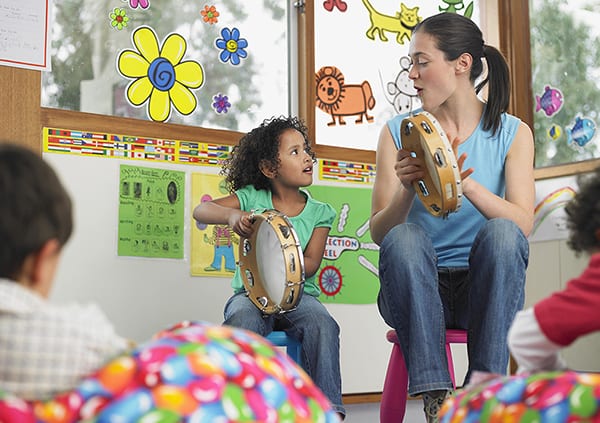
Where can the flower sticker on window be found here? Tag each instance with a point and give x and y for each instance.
(210, 14)
(118, 18)
(221, 103)
(159, 75)
(134, 4)
(232, 45)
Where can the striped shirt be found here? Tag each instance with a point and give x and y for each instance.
(46, 349)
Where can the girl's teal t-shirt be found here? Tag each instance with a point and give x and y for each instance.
(314, 215)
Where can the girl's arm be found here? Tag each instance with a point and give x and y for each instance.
(225, 210)
(313, 253)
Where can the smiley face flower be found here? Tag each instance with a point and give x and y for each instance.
(159, 74)
(232, 45)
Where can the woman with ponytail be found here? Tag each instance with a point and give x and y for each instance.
(467, 270)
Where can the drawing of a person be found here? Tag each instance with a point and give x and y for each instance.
(222, 240)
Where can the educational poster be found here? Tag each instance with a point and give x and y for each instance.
(151, 212)
(214, 248)
(549, 215)
(24, 40)
(349, 271)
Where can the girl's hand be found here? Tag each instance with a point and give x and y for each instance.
(408, 168)
(241, 223)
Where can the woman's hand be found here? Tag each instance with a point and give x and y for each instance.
(464, 174)
(408, 168)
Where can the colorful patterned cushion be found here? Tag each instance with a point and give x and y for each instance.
(549, 397)
(194, 373)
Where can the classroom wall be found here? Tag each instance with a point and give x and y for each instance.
(551, 265)
(142, 296)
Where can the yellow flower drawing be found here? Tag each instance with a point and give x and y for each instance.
(159, 75)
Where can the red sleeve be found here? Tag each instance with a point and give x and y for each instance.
(575, 311)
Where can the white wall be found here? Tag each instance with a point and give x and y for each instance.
(552, 264)
(142, 296)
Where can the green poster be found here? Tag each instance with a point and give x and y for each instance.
(348, 273)
(151, 212)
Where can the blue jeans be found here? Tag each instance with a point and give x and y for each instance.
(312, 325)
(420, 300)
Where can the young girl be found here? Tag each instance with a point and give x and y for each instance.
(539, 333)
(466, 271)
(266, 171)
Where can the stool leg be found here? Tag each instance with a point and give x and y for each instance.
(295, 352)
(450, 363)
(395, 388)
(293, 347)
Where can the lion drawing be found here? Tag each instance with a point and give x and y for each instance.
(339, 100)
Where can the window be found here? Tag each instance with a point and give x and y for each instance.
(240, 51)
(565, 57)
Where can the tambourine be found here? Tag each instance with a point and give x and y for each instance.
(440, 190)
(272, 263)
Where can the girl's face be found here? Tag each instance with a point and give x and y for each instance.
(432, 75)
(295, 164)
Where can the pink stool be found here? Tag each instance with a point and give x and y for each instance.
(395, 387)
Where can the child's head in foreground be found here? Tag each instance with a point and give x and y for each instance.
(257, 148)
(583, 215)
(35, 218)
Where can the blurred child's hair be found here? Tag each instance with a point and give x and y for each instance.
(583, 215)
(34, 207)
(260, 145)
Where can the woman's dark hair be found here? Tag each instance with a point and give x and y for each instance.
(583, 214)
(34, 207)
(259, 147)
(455, 35)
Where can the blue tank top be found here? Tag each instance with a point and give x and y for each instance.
(486, 154)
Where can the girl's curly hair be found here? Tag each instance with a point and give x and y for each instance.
(583, 214)
(260, 145)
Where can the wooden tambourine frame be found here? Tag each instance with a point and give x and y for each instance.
(274, 281)
(440, 190)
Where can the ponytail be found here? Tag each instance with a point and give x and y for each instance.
(498, 79)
